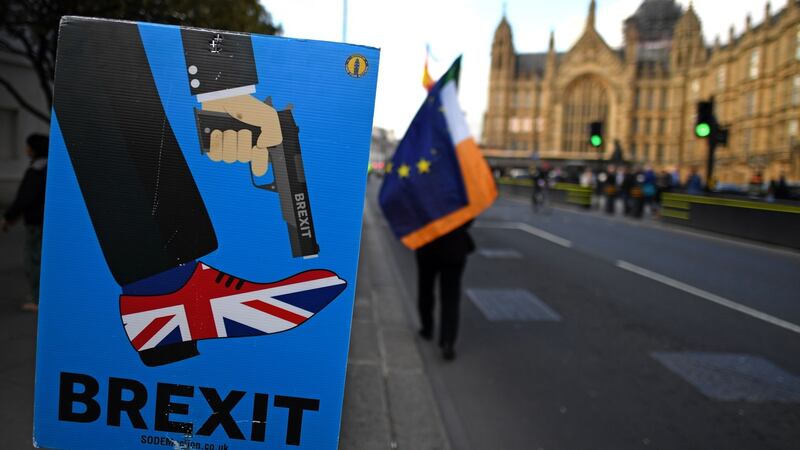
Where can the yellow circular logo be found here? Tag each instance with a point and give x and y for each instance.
(356, 65)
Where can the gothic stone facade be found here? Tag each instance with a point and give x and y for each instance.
(646, 94)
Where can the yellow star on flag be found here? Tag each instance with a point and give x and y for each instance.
(389, 167)
(423, 166)
(403, 171)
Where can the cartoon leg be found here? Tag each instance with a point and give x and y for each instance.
(145, 207)
(147, 212)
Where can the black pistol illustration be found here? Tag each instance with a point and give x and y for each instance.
(289, 182)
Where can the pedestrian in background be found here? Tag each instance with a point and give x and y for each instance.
(446, 258)
(541, 188)
(664, 184)
(599, 178)
(625, 182)
(536, 192)
(771, 187)
(636, 193)
(29, 205)
(586, 178)
(782, 189)
(694, 184)
(649, 189)
(676, 177)
(610, 189)
(756, 186)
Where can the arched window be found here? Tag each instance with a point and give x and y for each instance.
(586, 101)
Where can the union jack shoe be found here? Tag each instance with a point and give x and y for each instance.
(212, 304)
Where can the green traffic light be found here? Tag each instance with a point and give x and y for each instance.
(596, 140)
(702, 130)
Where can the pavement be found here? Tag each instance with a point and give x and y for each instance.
(389, 401)
(18, 344)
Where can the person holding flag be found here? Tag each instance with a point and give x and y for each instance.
(436, 184)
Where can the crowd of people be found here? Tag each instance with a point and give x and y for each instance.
(635, 190)
(774, 190)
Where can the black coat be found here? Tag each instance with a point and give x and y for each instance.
(452, 248)
(29, 202)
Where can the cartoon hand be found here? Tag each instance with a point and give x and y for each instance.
(232, 145)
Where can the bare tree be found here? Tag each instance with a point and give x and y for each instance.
(29, 28)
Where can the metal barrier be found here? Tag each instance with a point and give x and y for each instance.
(565, 193)
(775, 223)
(575, 194)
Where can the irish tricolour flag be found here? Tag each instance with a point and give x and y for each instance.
(437, 179)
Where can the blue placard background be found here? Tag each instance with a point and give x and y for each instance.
(79, 321)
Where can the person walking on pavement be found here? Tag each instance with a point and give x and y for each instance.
(29, 205)
(587, 180)
(624, 181)
(446, 258)
(782, 189)
(694, 184)
(636, 193)
(664, 184)
(599, 178)
(756, 187)
(649, 189)
(609, 180)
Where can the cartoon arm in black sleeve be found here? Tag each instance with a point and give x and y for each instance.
(222, 76)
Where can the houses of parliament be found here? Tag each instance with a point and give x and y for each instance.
(646, 95)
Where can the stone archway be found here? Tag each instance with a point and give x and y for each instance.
(586, 100)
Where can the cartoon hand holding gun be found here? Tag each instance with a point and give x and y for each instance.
(234, 126)
(232, 145)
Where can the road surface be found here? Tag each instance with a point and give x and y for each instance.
(581, 331)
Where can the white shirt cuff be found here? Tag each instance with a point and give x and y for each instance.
(225, 93)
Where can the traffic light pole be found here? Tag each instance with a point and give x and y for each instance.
(707, 127)
(712, 148)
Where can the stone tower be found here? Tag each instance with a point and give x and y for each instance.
(500, 80)
(688, 49)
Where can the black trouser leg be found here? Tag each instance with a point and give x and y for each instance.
(450, 285)
(145, 207)
(426, 276)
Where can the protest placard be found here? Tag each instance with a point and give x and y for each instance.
(201, 238)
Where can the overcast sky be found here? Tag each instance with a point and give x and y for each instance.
(402, 28)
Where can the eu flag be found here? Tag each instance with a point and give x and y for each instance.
(437, 179)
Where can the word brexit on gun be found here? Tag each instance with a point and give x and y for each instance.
(189, 296)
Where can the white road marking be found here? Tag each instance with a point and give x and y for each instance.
(657, 224)
(709, 296)
(538, 232)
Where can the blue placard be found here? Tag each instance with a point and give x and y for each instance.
(201, 239)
